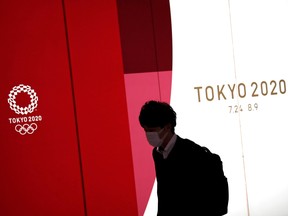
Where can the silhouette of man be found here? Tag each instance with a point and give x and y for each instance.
(184, 184)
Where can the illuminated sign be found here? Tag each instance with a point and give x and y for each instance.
(229, 89)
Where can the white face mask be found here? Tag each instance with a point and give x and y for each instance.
(154, 139)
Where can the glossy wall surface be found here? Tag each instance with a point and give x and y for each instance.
(68, 151)
(146, 39)
(74, 75)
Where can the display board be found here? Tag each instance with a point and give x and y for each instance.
(75, 75)
(40, 172)
(64, 131)
(229, 89)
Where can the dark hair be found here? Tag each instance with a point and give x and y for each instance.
(157, 114)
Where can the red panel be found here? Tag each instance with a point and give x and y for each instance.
(137, 37)
(146, 37)
(163, 34)
(101, 107)
(40, 172)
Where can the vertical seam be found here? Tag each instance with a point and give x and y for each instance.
(74, 108)
(240, 125)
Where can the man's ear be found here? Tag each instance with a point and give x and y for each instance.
(168, 126)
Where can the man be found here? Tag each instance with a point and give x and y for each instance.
(185, 183)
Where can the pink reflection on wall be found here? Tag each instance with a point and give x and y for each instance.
(141, 87)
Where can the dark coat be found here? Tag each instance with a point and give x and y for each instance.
(183, 181)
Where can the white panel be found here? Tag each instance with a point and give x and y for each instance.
(229, 89)
(151, 208)
(202, 64)
(222, 50)
(260, 34)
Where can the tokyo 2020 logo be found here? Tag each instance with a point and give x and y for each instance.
(12, 99)
(29, 125)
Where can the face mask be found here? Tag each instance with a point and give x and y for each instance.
(154, 139)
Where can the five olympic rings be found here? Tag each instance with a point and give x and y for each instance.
(26, 128)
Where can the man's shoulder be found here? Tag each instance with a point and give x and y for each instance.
(187, 143)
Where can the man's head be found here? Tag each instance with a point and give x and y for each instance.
(155, 114)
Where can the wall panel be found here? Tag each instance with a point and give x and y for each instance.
(98, 77)
(40, 172)
(146, 41)
(78, 161)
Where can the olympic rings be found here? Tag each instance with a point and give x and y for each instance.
(26, 128)
(33, 99)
